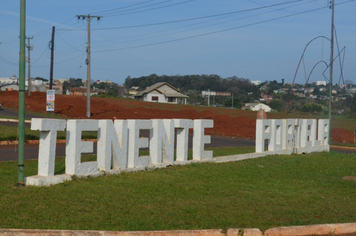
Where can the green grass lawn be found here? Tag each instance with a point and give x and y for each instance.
(260, 193)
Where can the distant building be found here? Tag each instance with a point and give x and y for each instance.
(208, 93)
(80, 92)
(256, 82)
(320, 83)
(9, 80)
(213, 93)
(61, 80)
(163, 93)
(257, 107)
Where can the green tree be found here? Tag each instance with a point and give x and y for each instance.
(237, 103)
(276, 105)
(308, 107)
(353, 106)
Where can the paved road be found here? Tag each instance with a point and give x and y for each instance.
(15, 115)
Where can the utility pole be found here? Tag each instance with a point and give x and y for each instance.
(89, 18)
(29, 47)
(332, 2)
(208, 97)
(21, 124)
(51, 46)
(232, 100)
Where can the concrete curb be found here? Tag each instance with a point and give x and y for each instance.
(347, 229)
(14, 120)
(18, 232)
(342, 147)
(310, 230)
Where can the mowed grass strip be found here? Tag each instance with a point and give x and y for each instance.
(260, 193)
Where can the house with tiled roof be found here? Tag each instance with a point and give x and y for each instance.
(163, 93)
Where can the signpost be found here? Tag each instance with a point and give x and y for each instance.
(50, 100)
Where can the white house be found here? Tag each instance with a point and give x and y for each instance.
(257, 107)
(9, 80)
(322, 82)
(256, 82)
(163, 93)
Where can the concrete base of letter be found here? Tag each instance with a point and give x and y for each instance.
(39, 180)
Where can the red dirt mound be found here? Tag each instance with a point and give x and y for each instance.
(227, 122)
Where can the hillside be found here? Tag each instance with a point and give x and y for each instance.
(227, 122)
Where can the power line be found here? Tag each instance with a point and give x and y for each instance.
(46, 48)
(136, 4)
(9, 62)
(224, 30)
(68, 43)
(195, 18)
(72, 58)
(140, 39)
(119, 8)
(150, 9)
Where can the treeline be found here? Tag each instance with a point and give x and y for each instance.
(239, 87)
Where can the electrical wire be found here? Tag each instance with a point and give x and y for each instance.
(178, 32)
(60, 62)
(46, 48)
(8, 62)
(68, 43)
(154, 4)
(218, 31)
(136, 4)
(194, 18)
(150, 9)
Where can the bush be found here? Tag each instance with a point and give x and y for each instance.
(308, 107)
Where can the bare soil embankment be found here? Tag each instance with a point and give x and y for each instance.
(227, 122)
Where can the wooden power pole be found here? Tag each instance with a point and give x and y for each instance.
(52, 57)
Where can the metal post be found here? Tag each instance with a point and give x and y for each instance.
(22, 68)
(331, 66)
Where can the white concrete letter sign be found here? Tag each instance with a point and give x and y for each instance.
(292, 136)
(135, 143)
(162, 142)
(118, 146)
(119, 143)
(183, 127)
(75, 147)
(112, 145)
(48, 138)
(199, 139)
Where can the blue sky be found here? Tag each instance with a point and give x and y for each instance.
(252, 39)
